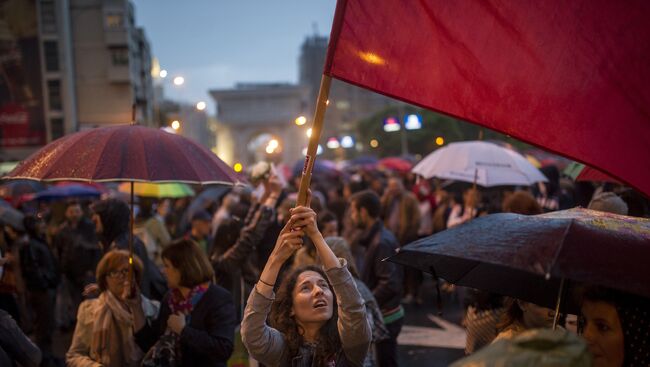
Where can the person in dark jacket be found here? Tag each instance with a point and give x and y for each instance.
(112, 219)
(15, 346)
(232, 248)
(41, 275)
(384, 278)
(196, 324)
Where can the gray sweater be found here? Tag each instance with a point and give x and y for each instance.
(268, 345)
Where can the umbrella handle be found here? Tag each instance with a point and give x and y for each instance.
(438, 295)
(560, 296)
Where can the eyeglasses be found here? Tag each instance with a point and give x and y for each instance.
(119, 273)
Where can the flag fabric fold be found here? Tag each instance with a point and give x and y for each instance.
(572, 77)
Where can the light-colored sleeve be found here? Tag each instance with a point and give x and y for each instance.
(263, 342)
(79, 353)
(353, 326)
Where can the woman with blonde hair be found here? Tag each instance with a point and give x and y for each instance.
(103, 335)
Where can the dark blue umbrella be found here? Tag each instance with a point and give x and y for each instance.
(68, 191)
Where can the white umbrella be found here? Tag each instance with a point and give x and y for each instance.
(491, 164)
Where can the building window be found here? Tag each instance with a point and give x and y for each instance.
(54, 93)
(51, 55)
(48, 17)
(57, 128)
(120, 56)
(114, 20)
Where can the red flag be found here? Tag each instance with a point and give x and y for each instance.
(571, 76)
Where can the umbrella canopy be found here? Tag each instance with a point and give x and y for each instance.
(17, 188)
(67, 191)
(489, 163)
(321, 167)
(125, 153)
(396, 164)
(527, 254)
(580, 172)
(11, 216)
(162, 190)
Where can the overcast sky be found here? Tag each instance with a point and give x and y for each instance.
(217, 43)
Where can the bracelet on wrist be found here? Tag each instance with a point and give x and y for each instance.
(267, 284)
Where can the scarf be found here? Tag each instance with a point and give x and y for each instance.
(112, 342)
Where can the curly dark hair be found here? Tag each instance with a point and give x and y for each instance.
(329, 341)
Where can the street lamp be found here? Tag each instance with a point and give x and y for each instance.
(176, 125)
(179, 80)
(301, 120)
(200, 106)
(163, 73)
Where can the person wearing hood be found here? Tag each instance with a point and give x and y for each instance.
(112, 219)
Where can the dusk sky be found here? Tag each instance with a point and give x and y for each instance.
(217, 43)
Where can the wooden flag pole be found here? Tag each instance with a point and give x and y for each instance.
(312, 148)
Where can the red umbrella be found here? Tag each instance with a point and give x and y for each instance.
(396, 164)
(125, 153)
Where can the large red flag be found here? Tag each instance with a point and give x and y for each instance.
(570, 76)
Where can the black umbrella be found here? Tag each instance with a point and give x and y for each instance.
(528, 256)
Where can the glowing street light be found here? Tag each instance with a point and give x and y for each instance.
(374, 143)
(237, 167)
(333, 143)
(163, 73)
(179, 80)
(308, 132)
(391, 124)
(200, 106)
(301, 120)
(347, 142)
(440, 140)
(176, 125)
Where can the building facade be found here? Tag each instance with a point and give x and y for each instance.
(72, 65)
(250, 116)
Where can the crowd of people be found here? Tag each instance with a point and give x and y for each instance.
(307, 284)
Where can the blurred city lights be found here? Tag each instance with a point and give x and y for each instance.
(413, 122)
(163, 73)
(347, 141)
(440, 140)
(333, 143)
(327, 103)
(374, 143)
(391, 124)
(272, 146)
(237, 167)
(200, 106)
(301, 120)
(179, 80)
(319, 151)
(176, 125)
(309, 132)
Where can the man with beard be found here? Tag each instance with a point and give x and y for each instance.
(382, 277)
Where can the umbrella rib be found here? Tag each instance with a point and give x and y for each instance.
(198, 177)
(101, 154)
(559, 248)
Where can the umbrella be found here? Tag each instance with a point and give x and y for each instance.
(321, 167)
(580, 172)
(11, 216)
(202, 201)
(527, 255)
(67, 191)
(162, 190)
(396, 164)
(486, 163)
(125, 153)
(17, 188)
